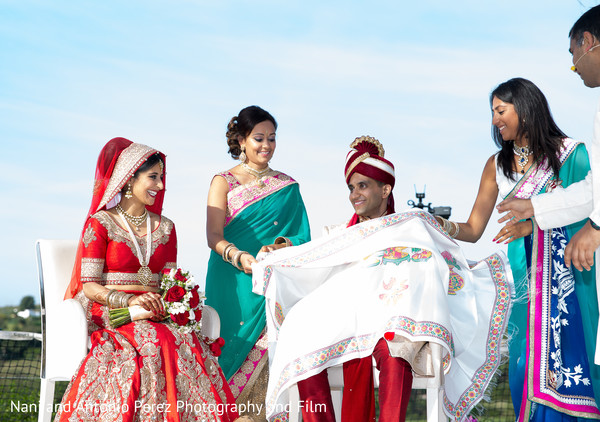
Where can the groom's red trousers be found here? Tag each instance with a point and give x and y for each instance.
(358, 402)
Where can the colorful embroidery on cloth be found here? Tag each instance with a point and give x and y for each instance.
(242, 196)
(398, 254)
(456, 282)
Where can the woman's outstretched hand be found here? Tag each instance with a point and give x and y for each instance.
(514, 231)
(516, 209)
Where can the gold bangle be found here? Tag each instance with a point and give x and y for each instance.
(283, 239)
(109, 295)
(235, 261)
(226, 250)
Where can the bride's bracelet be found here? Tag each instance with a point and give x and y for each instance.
(118, 299)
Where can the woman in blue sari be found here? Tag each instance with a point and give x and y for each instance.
(251, 208)
(552, 374)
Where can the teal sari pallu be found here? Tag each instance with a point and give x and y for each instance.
(229, 290)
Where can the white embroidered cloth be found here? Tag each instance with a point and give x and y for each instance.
(330, 300)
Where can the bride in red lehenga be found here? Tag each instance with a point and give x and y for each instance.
(144, 370)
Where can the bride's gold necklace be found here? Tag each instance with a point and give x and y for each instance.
(136, 220)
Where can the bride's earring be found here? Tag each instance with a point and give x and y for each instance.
(128, 193)
(242, 156)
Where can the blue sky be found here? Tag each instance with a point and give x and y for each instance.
(415, 75)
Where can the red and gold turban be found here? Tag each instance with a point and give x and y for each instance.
(366, 158)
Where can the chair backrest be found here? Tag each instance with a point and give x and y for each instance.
(55, 264)
(55, 260)
(211, 323)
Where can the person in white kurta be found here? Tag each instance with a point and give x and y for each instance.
(580, 200)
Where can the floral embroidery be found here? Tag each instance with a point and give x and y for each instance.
(153, 383)
(88, 236)
(243, 380)
(563, 285)
(395, 291)
(456, 282)
(398, 254)
(109, 382)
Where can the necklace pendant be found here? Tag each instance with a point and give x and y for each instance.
(523, 171)
(144, 275)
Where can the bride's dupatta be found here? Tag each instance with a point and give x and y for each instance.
(557, 370)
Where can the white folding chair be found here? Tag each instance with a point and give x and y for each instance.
(335, 374)
(64, 325)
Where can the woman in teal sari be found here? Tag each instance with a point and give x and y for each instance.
(552, 374)
(251, 208)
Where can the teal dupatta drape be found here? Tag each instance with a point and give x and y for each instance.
(260, 212)
(574, 169)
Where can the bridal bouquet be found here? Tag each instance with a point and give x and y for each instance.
(182, 300)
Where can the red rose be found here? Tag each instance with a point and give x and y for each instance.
(195, 298)
(175, 294)
(220, 341)
(182, 318)
(166, 271)
(179, 276)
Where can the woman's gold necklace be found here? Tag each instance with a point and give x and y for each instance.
(136, 220)
(256, 173)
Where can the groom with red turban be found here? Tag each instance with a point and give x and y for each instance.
(370, 179)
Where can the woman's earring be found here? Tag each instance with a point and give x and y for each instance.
(242, 156)
(128, 193)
